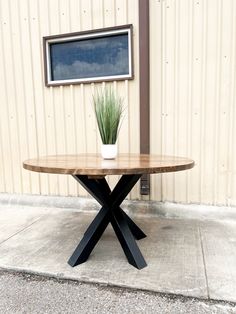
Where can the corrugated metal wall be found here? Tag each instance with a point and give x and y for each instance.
(193, 88)
(36, 120)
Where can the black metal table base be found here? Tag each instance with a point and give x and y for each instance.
(125, 229)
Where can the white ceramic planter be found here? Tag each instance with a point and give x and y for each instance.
(109, 151)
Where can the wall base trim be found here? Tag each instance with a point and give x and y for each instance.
(143, 208)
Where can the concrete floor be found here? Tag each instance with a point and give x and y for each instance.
(187, 257)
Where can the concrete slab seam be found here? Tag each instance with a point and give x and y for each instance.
(204, 261)
(18, 232)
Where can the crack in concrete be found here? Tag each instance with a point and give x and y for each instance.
(19, 231)
(204, 261)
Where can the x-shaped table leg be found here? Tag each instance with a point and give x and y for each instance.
(123, 226)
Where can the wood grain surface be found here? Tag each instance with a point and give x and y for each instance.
(95, 165)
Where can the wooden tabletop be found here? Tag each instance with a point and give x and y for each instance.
(95, 165)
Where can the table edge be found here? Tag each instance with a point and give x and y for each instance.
(107, 171)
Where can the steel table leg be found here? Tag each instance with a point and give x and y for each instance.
(122, 224)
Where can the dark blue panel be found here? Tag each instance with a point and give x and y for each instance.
(88, 58)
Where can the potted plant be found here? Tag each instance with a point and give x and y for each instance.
(108, 108)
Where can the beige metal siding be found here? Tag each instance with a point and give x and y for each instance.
(36, 120)
(192, 92)
(193, 83)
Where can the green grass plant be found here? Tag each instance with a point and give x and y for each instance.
(108, 109)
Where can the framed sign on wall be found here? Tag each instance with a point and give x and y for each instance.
(89, 56)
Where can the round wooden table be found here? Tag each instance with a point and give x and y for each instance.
(90, 171)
